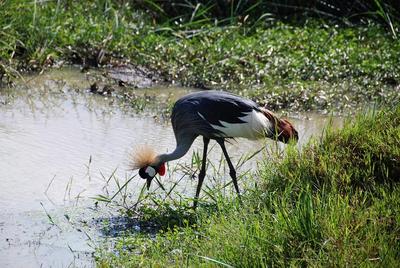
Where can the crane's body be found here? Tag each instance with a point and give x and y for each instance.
(216, 115)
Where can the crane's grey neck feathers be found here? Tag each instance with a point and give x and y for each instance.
(182, 146)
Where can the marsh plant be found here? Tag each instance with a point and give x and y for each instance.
(286, 55)
(335, 203)
(169, 202)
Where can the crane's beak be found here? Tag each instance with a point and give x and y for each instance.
(148, 183)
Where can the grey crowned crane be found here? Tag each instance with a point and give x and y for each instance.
(214, 115)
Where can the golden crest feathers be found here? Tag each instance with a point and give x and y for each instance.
(142, 156)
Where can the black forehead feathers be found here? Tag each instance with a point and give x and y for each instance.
(142, 173)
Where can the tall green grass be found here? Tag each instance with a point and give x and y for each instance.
(317, 64)
(386, 12)
(37, 33)
(334, 203)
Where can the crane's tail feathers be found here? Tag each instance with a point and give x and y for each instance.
(142, 156)
(282, 128)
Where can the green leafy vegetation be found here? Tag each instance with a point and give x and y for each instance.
(334, 203)
(314, 64)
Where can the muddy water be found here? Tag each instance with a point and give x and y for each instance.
(59, 145)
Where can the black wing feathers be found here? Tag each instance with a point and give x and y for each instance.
(195, 112)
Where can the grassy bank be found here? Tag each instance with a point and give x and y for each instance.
(313, 65)
(335, 203)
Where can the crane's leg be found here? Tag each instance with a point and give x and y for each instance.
(202, 173)
(232, 171)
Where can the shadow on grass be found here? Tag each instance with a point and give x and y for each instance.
(150, 219)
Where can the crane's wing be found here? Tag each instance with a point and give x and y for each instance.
(217, 107)
(198, 113)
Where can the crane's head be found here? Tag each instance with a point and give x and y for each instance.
(149, 172)
(145, 159)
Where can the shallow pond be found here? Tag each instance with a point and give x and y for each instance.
(58, 147)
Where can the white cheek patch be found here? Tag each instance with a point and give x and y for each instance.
(150, 171)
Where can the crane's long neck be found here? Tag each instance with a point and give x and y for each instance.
(182, 146)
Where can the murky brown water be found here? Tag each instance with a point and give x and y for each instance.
(57, 148)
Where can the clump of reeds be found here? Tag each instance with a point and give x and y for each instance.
(333, 204)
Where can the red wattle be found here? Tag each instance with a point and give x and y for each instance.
(161, 170)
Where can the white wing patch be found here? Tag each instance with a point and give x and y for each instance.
(255, 126)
